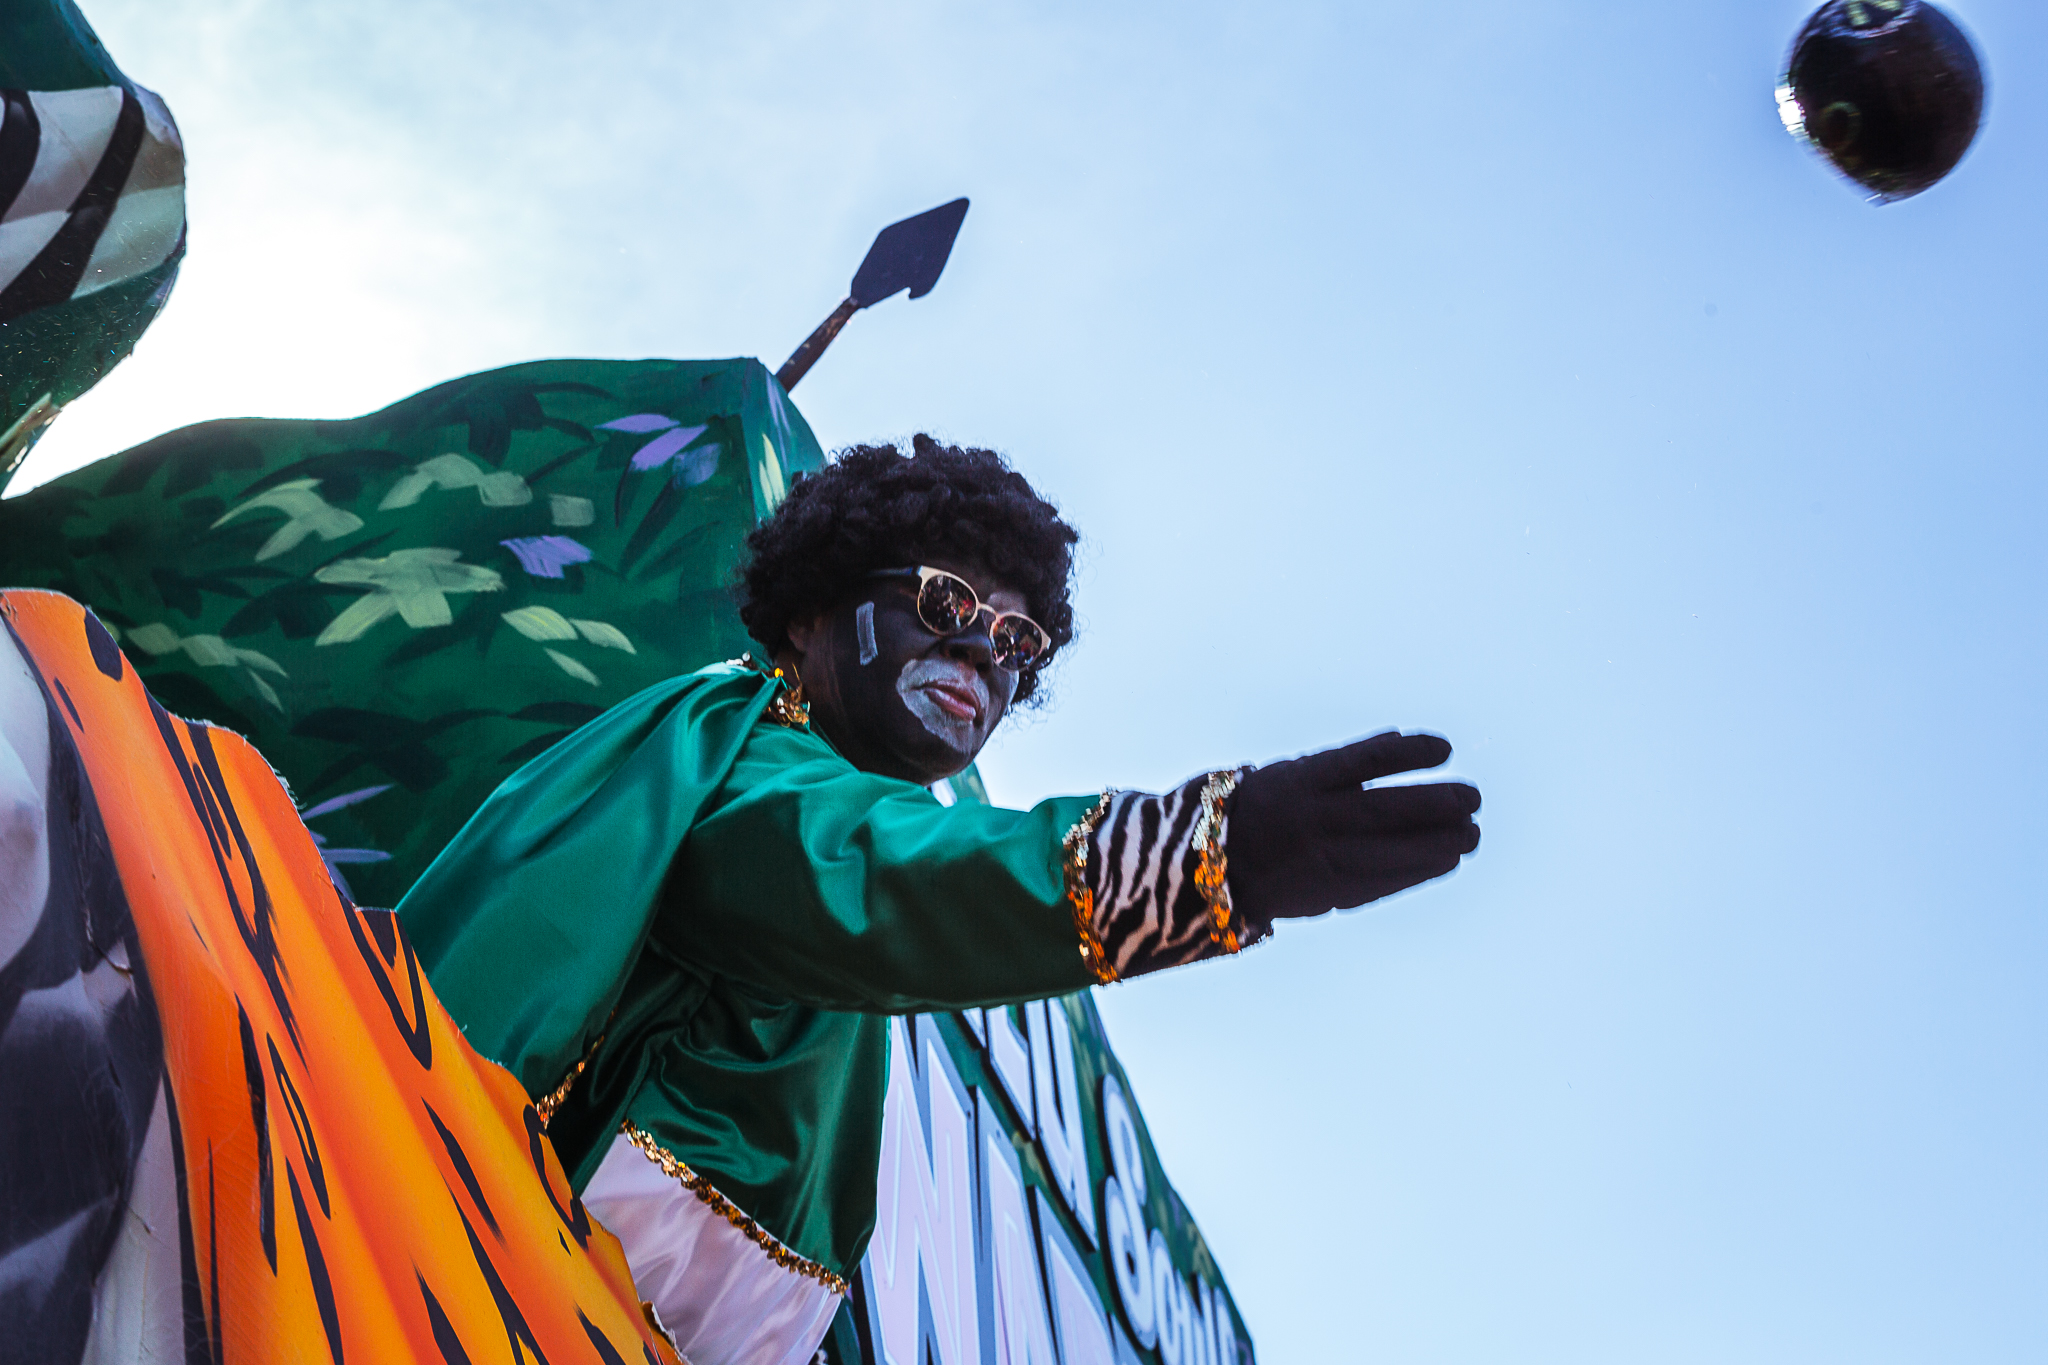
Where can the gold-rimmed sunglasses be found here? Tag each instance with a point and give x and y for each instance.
(947, 605)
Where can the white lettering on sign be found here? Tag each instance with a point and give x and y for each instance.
(1010, 1058)
(969, 1263)
(924, 1212)
(1023, 1334)
(1061, 1135)
(1081, 1325)
(1164, 1305)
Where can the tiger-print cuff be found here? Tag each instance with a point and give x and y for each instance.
(1145, 880)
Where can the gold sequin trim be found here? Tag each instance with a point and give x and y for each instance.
(787, 706)
(1211, 864)
(731, 1212)
(548, 1104)
(1081, 896)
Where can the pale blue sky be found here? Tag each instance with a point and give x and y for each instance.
(1501, 369)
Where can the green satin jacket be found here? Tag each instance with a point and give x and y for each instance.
(698, 916)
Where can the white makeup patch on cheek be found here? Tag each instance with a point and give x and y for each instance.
(864, 627)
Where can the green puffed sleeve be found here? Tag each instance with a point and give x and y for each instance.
(531, 920)
(841, 890)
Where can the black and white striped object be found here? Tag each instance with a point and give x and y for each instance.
(1149, 910)
(92, 192)
(81, 1064)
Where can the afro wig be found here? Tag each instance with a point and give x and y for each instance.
(874, 508)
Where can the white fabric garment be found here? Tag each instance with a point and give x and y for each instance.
(718, 1293)
(137, 1314)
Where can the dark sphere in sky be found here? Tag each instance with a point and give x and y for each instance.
(1890, 91)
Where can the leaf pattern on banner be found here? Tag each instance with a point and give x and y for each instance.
(350, 594)
(297, 609)
(599, 633)
(547, 556)
(493, 407)
(571, 667)
(639, 422)
(210, 651)
(566, 510)
(540, 623)
(342, 473)
(306, 513)
(342, 802)
(545, 623)
(448, 472)
(668, 502)
(337, 858)
(664, 449)
(414, 584)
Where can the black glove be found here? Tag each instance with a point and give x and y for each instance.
(1304, 838)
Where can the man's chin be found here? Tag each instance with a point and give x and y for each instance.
(934, 761)
(953, 767)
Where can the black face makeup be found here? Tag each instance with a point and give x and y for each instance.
(894, 697)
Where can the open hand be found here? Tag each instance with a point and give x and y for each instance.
(1305, 837)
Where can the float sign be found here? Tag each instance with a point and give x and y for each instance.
(1023, 1218)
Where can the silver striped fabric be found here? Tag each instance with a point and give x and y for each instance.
(92, 192)
(1141, 866)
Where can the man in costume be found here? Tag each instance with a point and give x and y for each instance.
(685, 926)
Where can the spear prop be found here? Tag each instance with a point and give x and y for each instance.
(906, 255)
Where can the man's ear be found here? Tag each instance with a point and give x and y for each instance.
(804, 631)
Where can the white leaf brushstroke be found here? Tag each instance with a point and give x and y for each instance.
(306, 513)
(414, 584)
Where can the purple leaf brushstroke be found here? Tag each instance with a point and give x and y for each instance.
(663, 448)
(639, 421)
(546, 556)
(333, 804)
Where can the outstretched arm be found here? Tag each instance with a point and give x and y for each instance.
(813, 880)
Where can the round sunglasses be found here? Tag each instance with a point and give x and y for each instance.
(947, 605)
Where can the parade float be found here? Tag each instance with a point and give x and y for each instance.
(254, 676)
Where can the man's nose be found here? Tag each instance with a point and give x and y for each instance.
(971, 646)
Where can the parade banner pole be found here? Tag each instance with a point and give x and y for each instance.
(909, 255)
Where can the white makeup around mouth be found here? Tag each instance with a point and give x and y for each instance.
(915, 685)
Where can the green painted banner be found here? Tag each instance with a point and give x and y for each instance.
(400, 609)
